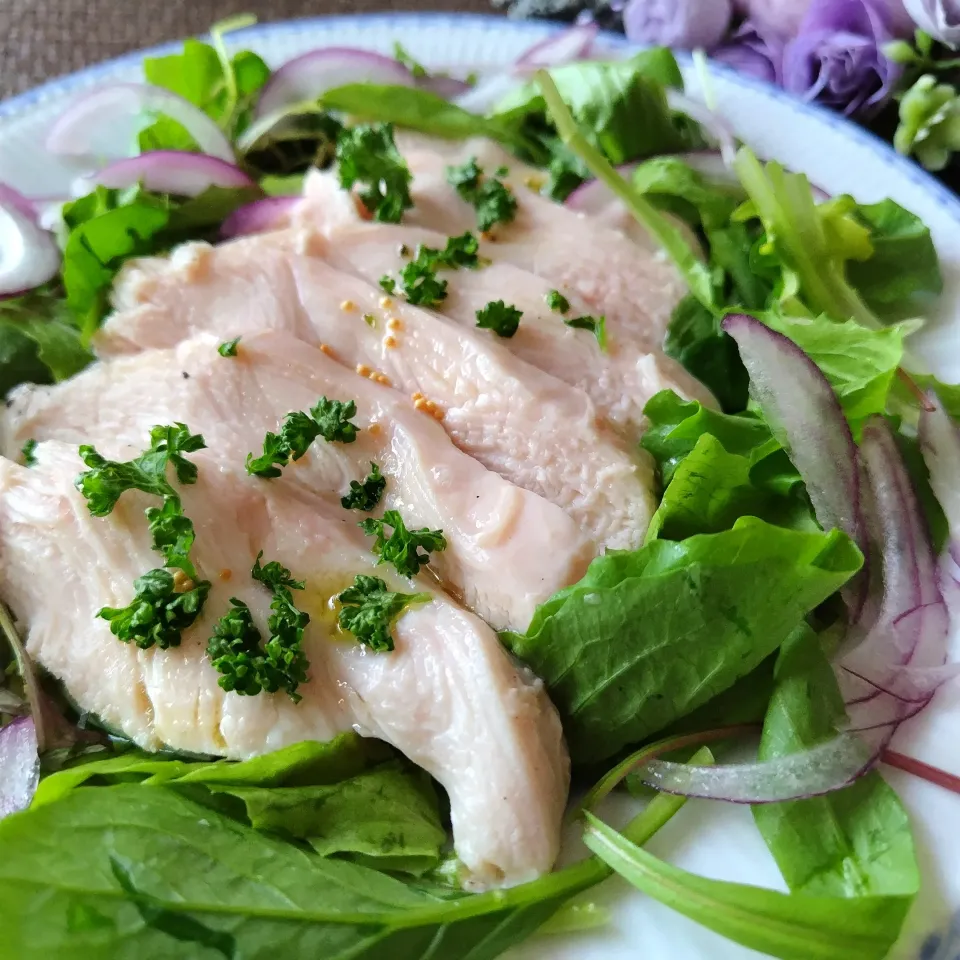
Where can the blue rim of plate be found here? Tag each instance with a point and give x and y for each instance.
(903, 166)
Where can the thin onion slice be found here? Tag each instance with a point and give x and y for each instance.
(29, 256)
(487, 93)
(814, 772)
(940, 445)
(261, 216)
(713, 123)
(176, 172)
(444, 86)
(103, 124)
(565, 46)
(311, 74)
(14, 198)
(806, 417)
(19, 765)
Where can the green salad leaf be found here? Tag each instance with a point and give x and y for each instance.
(791, 927)
(860, 364)
(711, 489)
(676, 426)
(903, 271)
(347, 797)
(225, 91)
(853, 843)
(648, 636)
(696, 340)
(675, 186)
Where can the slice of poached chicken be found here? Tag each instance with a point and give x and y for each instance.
(629, 281)
(531, 428)
(508, 550)
(619, 378)
(448, 696)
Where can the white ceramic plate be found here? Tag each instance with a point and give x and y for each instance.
(716, 840)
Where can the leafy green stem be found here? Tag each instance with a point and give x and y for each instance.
(217, 32)
(30, 685)
(694, 271)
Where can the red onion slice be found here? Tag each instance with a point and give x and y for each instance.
(261, 216)
(13, 198)
(940, 445)
(176, 172)
(443, 86)
(819, 770)
(487, 93)
(104, 123)
(19, 766)
(29, 256)
(310, 75)
(565, 46)
(807, 419)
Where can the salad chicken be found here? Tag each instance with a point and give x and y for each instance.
(396, 464)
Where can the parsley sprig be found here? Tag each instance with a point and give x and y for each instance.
(158, 613)
(402, 547)
(365, 495)
(163, 605)
(369, 609)
(28, 453)
(247, 665)
(596, 325)
(489, 196)
(418, 280)
(329, 419)
(367, 157)
(497, 316)
(229, 347)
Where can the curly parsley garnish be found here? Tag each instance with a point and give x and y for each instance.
(247, 665)
(596, 325)
(368, 157)
(158, 613)
(503, 320)
(329, 419)
(418, 281)
(229, 349)
(557, 302)
(365, 495)
(491, 199)
(28, 453)
(164, 605)
(369, 610)
(402, 547)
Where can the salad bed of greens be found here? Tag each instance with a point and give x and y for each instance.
(731, 620)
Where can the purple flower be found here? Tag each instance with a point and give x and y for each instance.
(750, 52)
(836, 57)
(783, 17)
(939, 18)
(683, 24)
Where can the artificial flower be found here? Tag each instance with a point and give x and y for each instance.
(939, 18)
(836, 56)
(752, 52)
(682, 24)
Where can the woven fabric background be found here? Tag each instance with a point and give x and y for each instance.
(40, 39)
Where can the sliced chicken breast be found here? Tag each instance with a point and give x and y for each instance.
(508, 550)
(531, 428)
(632, 283)
(619, 380)
(448, 696)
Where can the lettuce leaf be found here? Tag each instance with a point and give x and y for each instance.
(859, 363)
(903, 271)
(852, 843)
(226, 92)
(675, 186)
(711, 489)
(648, 636)
(349, 796)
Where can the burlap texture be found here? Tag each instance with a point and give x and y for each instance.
(40, 39)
